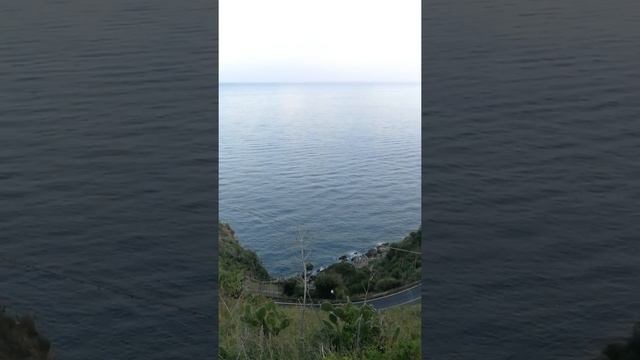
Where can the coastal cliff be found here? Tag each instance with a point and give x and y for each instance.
(235, 258)
(393, 266)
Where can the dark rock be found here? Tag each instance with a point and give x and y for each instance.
(624, 351)
(635, 338)
(615, 351)
(20, 340)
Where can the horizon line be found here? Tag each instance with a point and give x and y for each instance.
(317, 82)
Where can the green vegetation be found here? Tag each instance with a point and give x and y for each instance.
(233, 257)
(264, 315)
(20, 340)
(254, 327)
(338, 332)
(401, 265)
(351, 327)
(293, 287)
(397, 268)
(236, 262)
(330, 284)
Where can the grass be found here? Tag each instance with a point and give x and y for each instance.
(306, 339)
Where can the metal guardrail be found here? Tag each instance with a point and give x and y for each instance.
(369, 300)
(274, 292)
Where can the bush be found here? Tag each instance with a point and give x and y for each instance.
(387, 283)
(264, 315)
(354, 279)
(293, 287)
(230, 282)
(401, 265)
(325, 283)
(345, 269)
(357, 287)
(351, 327)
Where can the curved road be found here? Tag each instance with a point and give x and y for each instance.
(403, 297)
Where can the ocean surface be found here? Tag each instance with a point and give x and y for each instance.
(531, 177)
(339, 163)
(107, 174)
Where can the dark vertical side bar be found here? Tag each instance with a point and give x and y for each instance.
(215, 183)
(425, 246)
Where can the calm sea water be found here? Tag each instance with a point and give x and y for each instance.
(107, 160)
(341, 161)
(531, 177)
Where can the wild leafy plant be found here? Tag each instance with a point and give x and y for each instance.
(263, 314)
(231, 282)
(350, 327)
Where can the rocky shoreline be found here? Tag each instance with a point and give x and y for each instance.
(356, 258)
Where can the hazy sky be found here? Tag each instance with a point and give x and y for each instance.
(328, 40)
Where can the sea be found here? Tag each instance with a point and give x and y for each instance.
(107, 175)
(530, 160)
(531, 177)
(317, 170)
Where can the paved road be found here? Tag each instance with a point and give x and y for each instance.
(407, 296)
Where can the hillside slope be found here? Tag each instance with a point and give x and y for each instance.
(235, 258)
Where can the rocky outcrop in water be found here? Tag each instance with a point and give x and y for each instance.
(20, 340)
(629, 350)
